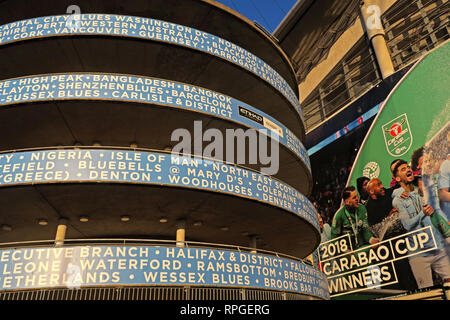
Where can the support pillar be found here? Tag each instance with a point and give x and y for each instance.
(61, 232)
(310, 258)
(371, 15)
(252, 245)
(181, 232)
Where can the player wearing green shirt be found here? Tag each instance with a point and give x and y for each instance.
(352, 219)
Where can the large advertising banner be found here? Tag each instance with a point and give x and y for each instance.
(142, 167)
(79, 266)
(350, 270)
(405, 162)
(148, 29)
(138, 89)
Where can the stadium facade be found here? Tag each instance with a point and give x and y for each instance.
(349, 57)
(93, 203)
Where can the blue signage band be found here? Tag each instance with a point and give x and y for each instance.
(149, 29)
(118, 87)
(154, 168)
(81, 266)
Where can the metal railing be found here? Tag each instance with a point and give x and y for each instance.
(412, 27)
(354, 74)
(151, 293)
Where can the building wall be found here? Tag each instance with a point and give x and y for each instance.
(133, 89)
(350, 69)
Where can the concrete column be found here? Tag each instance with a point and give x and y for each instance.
(252, 244)
(61, 232)
(181, 232)
(310, 258)
(371, 15)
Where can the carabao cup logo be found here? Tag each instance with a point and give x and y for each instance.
(397, 136)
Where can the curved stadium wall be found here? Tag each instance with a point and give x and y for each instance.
(88, 106)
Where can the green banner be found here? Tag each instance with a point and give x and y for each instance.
(403, 226)
(416, 112)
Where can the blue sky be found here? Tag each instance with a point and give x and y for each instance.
(267, 13)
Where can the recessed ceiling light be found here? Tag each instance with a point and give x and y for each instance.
(163, 219)
(125, 218)
(6, 227)
(43, 222)
(224, 228)
(84, 218)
